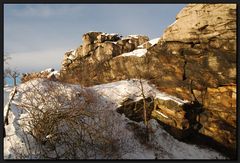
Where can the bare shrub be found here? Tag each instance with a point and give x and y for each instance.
(65, 124)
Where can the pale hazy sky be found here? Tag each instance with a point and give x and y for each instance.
(36, 36)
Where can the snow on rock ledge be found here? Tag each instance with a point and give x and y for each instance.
(148, 44)
(136, 53)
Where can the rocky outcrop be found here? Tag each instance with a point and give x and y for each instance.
(99, 47)
(47, 74)
(86, 64)
(194, 60)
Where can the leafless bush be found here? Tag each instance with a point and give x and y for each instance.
(64, 123)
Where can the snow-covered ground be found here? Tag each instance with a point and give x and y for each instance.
(107, 97)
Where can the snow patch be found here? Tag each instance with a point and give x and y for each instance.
(72, 55)
(134, 36)
(116, 92)
(49, 70)
(164, 96)
(8, 88)
(131, 36)
(154, 41)
(55, 73)
(136, 53)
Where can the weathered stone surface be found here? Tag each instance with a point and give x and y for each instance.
(181, 118)
(219, 118)
(88, 38)
(202, 23)
(217, 128)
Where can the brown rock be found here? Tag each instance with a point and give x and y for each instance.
(171, 113)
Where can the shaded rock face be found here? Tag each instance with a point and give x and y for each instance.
(134, 109)
(219, 118)
(194, 60)
(182, 119)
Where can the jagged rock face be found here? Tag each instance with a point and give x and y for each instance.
(205, 35)
(214, 24)
(97, 48)
(195, 58)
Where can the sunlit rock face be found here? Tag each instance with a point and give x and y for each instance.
(194, 60)
(89, 63)
(205, 35)
(205, 23)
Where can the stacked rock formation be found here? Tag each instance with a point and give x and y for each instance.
(89, 61)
